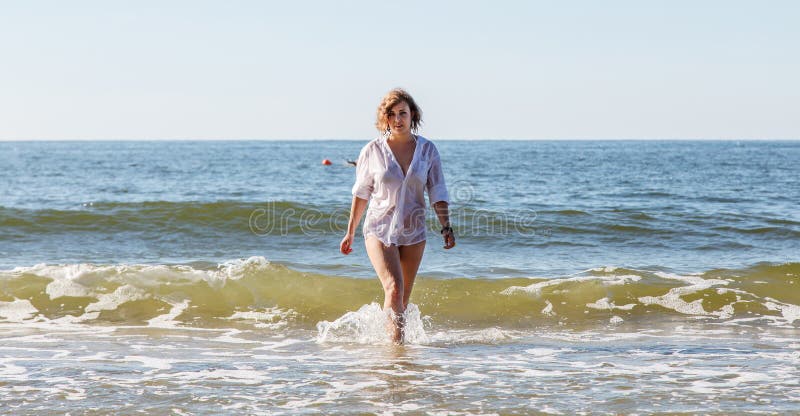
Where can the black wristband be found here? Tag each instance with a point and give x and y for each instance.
(446, 228)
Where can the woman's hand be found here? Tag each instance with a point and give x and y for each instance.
(449, 238)
(344, 246)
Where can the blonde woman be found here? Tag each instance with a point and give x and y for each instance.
(392, 173)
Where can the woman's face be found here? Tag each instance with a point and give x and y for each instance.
(399, 118)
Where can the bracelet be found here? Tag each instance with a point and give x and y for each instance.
(446, 228)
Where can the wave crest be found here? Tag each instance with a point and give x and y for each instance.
(258, 293)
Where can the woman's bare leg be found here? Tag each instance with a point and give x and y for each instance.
(410, 258)
(386, 261)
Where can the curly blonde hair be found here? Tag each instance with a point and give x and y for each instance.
(393, 97)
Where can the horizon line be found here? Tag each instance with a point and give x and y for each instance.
(747, 139)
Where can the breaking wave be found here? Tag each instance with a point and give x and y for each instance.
(257, 293)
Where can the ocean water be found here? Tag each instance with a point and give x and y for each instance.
(596, 277)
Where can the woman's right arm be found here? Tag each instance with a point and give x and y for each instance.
(356, 211)
(362, 190)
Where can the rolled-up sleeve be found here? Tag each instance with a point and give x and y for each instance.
(364, 180)
(437, 190)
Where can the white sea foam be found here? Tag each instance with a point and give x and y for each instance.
(280, 344)
(111, 301)
(230, 337)
(98, 356)
(672, 299)
(66, 287)
(598, 336)
(8, 370)
(369, 325)
(550, 411)
(83, 273)
(344, 387)
(83, 279)
(151, 362)
(482, 336)
(605, 269)
(471, 374)
(236, 269)
(167, 320)
(789, 312)
(271, 318)
(548, 310)
(536, 288)
(542, 354)
(615, 320)
(534, 373)
(239, 375)
(18, 310)
(604, 304)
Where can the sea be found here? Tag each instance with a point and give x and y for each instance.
(589, 277)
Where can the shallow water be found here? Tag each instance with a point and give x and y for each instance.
(688, 368)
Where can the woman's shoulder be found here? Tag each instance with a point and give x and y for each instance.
(371, 146)
(427, 146)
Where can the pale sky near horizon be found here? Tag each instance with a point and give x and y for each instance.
(480, 70)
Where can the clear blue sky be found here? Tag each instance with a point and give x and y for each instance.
(480, 70)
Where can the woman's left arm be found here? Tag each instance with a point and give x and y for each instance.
(442, 209)
(437, 192)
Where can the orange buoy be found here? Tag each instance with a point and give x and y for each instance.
(326, 162)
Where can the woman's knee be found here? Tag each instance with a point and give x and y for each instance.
(393, 287)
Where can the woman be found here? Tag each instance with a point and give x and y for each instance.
(393, 171)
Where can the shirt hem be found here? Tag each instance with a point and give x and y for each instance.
(385, 243)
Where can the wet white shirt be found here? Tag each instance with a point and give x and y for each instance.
(396, 212)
